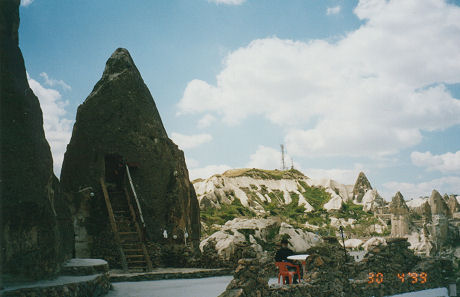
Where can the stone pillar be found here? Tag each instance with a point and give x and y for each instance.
(399, 216)
(439, 219)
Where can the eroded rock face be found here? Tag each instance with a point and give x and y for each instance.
(362, 185)
(36, 232)
(372, 200)
(119, 120)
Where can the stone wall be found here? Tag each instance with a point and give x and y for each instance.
(328, 274)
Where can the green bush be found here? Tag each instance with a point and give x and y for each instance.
(318, 217)
(226, 213)
(316, 196)
(351, 211)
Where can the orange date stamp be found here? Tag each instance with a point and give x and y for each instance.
(410, 277)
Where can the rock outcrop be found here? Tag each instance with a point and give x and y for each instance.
(426, 212)
(439, 219)
(362, 185)
(437, 204)
(399, 216)
(36, 232)
(118, 124)
(372, 201)
(453, 205)
(259, 235)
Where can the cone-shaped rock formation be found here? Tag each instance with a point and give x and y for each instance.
(362, 185)
(117, 125)
(398, 205)
(36, 230)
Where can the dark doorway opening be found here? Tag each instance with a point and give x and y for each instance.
(114, 169)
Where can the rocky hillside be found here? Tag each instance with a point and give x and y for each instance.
(257, 188)
(255, 207)
(289, 195)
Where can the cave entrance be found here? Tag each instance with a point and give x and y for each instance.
(114, 169)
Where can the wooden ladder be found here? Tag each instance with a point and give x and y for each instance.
(128, 235)
(140, 236)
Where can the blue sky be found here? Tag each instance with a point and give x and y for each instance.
(347, 86)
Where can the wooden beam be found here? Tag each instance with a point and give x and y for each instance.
(114, 225)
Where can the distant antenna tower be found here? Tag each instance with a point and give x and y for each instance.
(292, 164)
(283, 164)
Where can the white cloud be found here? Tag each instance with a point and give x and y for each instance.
(206, 121)
(333, 10)
(228, 2)
(208, 171)
(26, 2)
(190, 141)
(370, 93)
(447, 184)
(345, 176)
(269, 158)
(54, 82)
(58, 129)
(448, 162)
(191, 162)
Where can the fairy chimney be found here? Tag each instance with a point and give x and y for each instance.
(119, 126)
(399, 216)
(439, 218)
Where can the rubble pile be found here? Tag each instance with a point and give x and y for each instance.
(327, 263)
(249, 280)
(394, 257)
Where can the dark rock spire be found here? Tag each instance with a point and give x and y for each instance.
(119, 118)
(36, 231)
